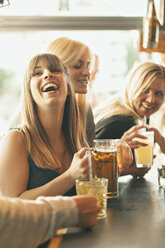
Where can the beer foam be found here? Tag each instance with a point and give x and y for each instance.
(106, 150)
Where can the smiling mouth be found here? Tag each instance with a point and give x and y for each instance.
(148, 107)
(82, 82)
(50, 87)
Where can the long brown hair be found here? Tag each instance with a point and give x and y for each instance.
(37, 141)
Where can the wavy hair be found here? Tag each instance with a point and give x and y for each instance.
(36, 139)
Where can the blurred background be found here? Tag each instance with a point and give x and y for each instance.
(112, 29)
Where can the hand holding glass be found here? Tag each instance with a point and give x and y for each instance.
(144, 154)
(97, 188)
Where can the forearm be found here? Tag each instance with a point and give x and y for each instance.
(161, 143)
(58, 186)
(29, 223)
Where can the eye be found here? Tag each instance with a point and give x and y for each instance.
(78, 65)
(36, 73)
(159, 93)
(146, 91)
(56, 70)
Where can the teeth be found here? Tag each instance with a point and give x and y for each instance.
(147, 107)
(55, 86)
(82, 82)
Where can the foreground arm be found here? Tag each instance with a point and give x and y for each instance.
(27, 223)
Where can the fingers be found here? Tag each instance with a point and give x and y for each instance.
(133, 131)
(125, 156)
(134, 171)
(133, 138)
(80, 154)
(87, 208)
(81, 160)
(136, 128)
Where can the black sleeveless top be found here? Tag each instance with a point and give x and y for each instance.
(40, 176)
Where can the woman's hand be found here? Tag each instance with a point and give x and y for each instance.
(124, 155)
(79, 167)
(132, 136)
(134, 171)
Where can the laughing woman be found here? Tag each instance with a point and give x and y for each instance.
(47, 154)
(38, 159)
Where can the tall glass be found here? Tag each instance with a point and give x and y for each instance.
(105, 164)
(144, 154)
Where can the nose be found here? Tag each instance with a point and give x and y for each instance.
(151, 97)
(48, 74)
(86, 71)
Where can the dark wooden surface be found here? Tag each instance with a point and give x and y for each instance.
(135, 220)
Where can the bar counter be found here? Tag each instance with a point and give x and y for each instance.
(134, 220)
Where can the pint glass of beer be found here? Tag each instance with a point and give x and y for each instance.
(105, 164)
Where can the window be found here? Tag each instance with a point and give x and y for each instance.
(110, 29)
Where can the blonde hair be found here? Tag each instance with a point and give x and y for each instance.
(37, 141)
(69, 51)
(138, 80)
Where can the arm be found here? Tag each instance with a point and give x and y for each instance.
(30, 223)
(14, 171)
(159, 139)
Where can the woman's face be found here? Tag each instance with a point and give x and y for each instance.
(150, 100)
(48, 85)
(80, 73)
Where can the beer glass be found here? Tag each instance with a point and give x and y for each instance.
(105, 164)
(97, 188)
(144, 154)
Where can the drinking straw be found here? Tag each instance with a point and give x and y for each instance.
(88, 153)
(145, 122)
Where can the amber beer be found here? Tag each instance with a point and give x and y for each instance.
(105, 166)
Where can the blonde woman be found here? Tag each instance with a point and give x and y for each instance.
(77, 57)
(143, 95)
(47, 153)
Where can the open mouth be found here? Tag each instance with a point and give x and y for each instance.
(50, 87)
(84, 83)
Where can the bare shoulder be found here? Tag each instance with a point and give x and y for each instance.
(15, 135)
(13, 140)
(14, 167)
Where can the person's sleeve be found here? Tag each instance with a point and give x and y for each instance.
(64, 212)
(109, 130)
(114, 127)
(27, 223)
